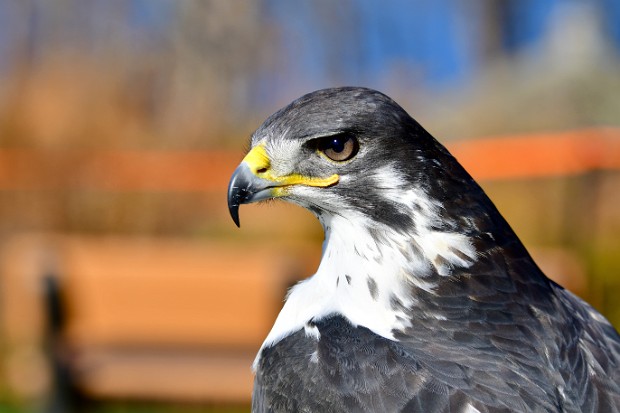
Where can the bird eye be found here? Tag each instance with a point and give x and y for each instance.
(339, 148)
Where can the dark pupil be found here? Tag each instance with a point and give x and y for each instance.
(337, 144)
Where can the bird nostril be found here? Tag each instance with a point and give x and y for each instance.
(261, 170)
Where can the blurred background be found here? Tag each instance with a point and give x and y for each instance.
(125, 286)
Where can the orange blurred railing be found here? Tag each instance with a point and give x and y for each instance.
(507, 157)
(540, 155)
(119, 170)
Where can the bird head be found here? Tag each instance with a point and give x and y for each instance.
(342, 151)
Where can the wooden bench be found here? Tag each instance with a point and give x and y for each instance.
(147, 318)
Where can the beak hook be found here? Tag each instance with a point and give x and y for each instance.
(235, 195)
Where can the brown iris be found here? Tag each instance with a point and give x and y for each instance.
(339, 148)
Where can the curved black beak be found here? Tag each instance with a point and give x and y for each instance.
(244, 188)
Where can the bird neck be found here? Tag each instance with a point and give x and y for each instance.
(366, 274)
(382, 277)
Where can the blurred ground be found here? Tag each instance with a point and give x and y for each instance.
(123, 121)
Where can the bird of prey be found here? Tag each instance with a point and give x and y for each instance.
(425, 300)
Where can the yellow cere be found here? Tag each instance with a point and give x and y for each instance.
(260, 165)
(257, 159)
